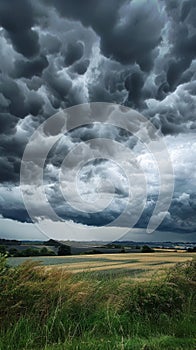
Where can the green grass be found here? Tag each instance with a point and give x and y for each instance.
(96, 310)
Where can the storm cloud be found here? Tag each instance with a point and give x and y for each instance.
(140, 54)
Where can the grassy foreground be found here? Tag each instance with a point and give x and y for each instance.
(55, 309)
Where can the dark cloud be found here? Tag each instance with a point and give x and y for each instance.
(29, 69)
(134, 84)
(99, 14)
(16, 214)
(16, 99)
(10, 168)
(74, 53)
(50, 43)
(181, 217)
(8, 123)
(182, 40)
(127, 30)
(81, 67)
(20, 102)
(16, 17)
(55, 54)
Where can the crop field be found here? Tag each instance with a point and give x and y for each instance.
(124, 301)
(136, 265)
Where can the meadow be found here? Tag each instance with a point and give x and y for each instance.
(99, 302)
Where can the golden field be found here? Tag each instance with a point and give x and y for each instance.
(139, 265)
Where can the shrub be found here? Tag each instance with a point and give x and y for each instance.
(64, 250)
(147, 249)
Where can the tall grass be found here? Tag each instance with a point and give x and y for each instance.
(54, 309)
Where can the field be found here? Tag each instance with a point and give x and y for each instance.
(136, 265)
(99, 302)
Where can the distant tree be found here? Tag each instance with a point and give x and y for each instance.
(29, 252)
(52, 242)
(93, 251)
(9, 242)
(191, 250)
(147, 249)
(113, 246)
(64, 250)
(46, 252)
(122, 250)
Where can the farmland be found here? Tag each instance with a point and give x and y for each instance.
(101, 302)
(137, 265)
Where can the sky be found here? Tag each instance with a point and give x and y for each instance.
(140, 54)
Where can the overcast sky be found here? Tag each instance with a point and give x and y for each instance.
(136, 53)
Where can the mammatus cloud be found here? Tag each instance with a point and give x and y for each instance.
(74, 175)
(17, 19)
(141, 54)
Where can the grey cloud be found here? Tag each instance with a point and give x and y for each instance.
(182, 38)
(74, 53)
(8, 123)
(20, 102)
(17, 19)
(29, 69)
(12, 92)
(135, 35)
(176, 112)
(10, 168)
(134, 84)
(50, 43)
(126, 29)
(55, 54)
(81, 67)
